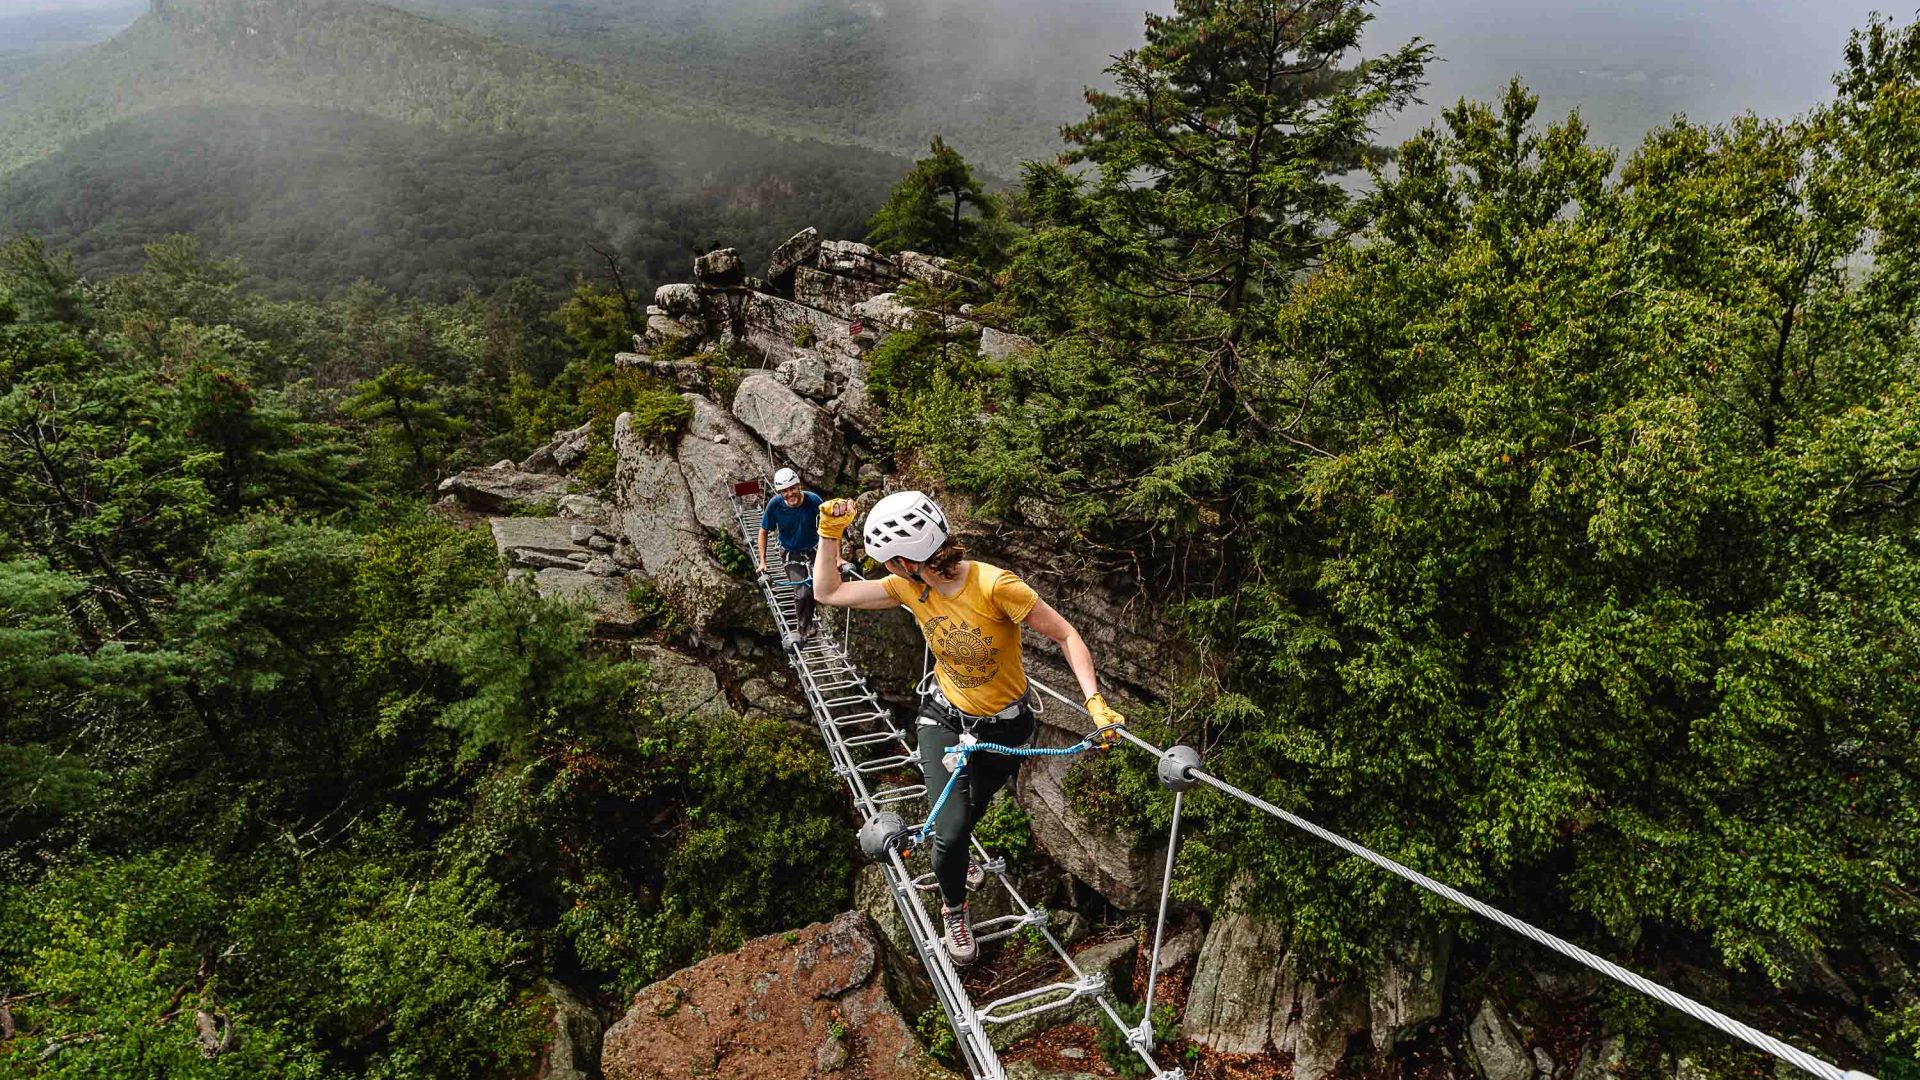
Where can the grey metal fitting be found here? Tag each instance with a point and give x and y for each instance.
(876, 836)
(1176, 768)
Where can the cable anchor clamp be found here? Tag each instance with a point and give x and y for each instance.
(1177, 766)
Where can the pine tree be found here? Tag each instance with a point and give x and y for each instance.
(940, 208)
(400, 400)
(1218, 162)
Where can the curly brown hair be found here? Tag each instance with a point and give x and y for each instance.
(946, 559)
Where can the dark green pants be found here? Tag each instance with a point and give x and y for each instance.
(984, 776)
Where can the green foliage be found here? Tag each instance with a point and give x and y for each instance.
(936, 1034)
(804, 336)
(519, 656)
(1557, 536)
(400, 403)
(938, 208)
(1113, 1044)
(731, 558)
(1006, 831)
(658, 415)
(286, 751)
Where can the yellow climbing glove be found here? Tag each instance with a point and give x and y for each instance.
(835, 516)
(1105, 717)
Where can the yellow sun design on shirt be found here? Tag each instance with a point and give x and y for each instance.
(967, 654)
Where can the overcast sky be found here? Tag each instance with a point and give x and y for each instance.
(1629, 64)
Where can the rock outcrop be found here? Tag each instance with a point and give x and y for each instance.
(655, 512)
(1409, 991)
(1247, 998)
(817, 1002)
(804, 433)
(502, 488)
(562, 453)
(1116, 862)
(573, 1042)
(1499, 1053)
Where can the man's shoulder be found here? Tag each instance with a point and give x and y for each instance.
(813, 500)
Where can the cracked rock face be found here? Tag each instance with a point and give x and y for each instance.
(658, 519)
(810, 1003)
(799, 430)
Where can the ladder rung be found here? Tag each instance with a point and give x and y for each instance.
(899, 794)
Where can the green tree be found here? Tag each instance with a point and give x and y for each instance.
(402, 403)
(939, 208)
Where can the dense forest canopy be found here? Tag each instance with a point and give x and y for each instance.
(336, 141)
(1545, 517)
(280, 747)
(1558, 533)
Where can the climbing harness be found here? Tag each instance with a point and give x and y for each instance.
(956, 763)
(853, 722)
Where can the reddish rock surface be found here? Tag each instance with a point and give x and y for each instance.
(813, 1003)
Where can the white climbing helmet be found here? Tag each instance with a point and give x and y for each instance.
(785, 479)
(907, 525)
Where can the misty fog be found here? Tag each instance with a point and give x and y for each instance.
(1004, 74)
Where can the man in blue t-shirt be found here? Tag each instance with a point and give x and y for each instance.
(794, 514)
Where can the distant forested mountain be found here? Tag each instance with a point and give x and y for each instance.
(997, 78)
(332, 140)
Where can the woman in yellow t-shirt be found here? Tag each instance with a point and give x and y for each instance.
(971, 613)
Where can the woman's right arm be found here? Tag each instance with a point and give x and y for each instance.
(828, 587)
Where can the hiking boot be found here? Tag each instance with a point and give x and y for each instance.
(976, 876)
(959, 936)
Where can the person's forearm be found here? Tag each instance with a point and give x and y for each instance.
(763, 549)
(1080, 660)
(826, 570)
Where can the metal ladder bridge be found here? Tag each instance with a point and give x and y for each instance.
(878, 762)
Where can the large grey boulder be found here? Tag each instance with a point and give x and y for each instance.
(873, 897)
(998, 344)
(837, 294)
(562, 452)
(686, 686)
(799, 248)
(573, 1040)
(806, 373)
(855, 407)
(552, 536)
(583, 507)
(797, 429)
(886, 311)
(853, 259)
(716, 452)
(603, 596)
(719, 267)
(679, 299)
(932, 270)
(502, 488)
(1329, 1016)
(1407, 993)
(1117, 863)
(1243, 990)
(664, 328)
(1498, 1051)
(776, 326)
(655, 513)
